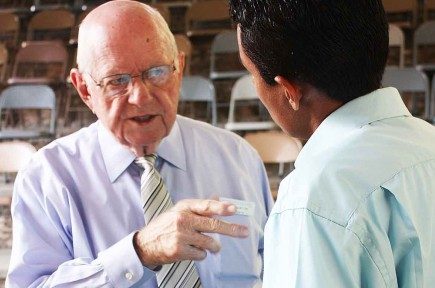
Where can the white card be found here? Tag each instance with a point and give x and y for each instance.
(242, 207)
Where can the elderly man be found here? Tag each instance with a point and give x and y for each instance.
(359, 208)
(92, 210)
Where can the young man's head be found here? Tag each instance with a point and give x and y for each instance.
(340, 47)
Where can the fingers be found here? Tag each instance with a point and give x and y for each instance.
(212, 225)
(206, 207)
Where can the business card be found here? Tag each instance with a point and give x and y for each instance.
(245, 208)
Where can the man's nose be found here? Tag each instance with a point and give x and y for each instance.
(140, 92)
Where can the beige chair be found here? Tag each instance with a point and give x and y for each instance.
(402, 12)
(14, 156)
(184, 45)
(275, 147)
(9, 29)
(3, 62)
(51, 25)
(397, 41)
(40, 62)
(244, 91)
(207, 18)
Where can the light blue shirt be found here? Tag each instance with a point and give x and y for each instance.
(77, 205)
(359, 208)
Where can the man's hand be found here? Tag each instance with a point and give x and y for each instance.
(177, 234)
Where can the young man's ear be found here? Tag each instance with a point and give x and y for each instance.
(292, 92)
(79, 83)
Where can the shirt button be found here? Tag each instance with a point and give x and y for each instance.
(128, 276)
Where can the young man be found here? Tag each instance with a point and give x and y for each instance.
(358, 210)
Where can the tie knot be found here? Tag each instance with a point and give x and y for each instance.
(147, 160)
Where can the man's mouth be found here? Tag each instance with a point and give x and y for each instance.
(144, 118)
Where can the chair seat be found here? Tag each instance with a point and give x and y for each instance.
(215, 75)
(21, 134)
(249, 126)
(38, 80)
(5, 258)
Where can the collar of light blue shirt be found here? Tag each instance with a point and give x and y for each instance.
(117, 157)
(378, 105)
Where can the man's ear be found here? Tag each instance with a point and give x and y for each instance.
(181, 62)
(292, 91)
(79, 83)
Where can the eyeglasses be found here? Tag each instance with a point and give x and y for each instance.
(121, 84)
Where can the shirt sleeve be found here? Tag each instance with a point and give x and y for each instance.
(306, 250)
(43, 250)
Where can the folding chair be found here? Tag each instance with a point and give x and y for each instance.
(275, 147)
(15, 6)
(409, 80)
(403, 13)
(224, 57)
(40, 62)
(56, 4)
(198, 89)
(15, 155)
(51, 25)
(243, 91)
(424, 44)
(205, 18)
(3, 62)
(23, 97)
(9, 30)
(429, 10)
(184, 45)
(397, 41)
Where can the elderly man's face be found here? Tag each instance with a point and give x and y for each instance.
(139, 113)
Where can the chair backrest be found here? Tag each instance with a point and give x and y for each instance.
(3, 62)
(408, 80)
(207, 18)
(429, 10)
(403, 13)
(424, 37)
(51, 25)
(274, 146)
(15, 155)
(184, 45)
(224, 57)
(56, 4)
(9, 29)
(30, 97)
(40, 62)
(397, 40)
(199, 89)
(244, 90)
(164, 11)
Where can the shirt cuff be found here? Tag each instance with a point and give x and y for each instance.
(122, 264)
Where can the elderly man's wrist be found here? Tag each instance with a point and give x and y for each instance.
(142, 255)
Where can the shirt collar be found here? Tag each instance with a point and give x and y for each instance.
(117, 157)
(380, 104)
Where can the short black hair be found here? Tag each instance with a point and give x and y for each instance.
(338, 46)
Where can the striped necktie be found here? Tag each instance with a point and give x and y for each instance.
(156, 200)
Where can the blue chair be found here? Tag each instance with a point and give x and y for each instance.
(23, 97)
